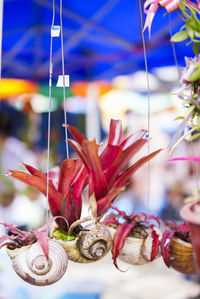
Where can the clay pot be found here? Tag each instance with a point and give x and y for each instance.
(191, 213)
(181, 256)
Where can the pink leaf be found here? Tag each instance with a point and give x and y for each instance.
(197, 159)
(155, 244)
(121, 234)
(165, 246)
(42, 238)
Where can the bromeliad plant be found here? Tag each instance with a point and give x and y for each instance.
(65, 200)
(136, 237)
(176, 248)
(108, 172)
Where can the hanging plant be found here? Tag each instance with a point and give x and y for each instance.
(189, 13)
(176, 248)
(65, 199)
(35, 258)
(135, 237)
(108, 172)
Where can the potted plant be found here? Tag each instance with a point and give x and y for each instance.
(176, 248)
(136, 237)
(35, 258)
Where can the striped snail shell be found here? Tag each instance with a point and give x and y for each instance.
(181, 257)
(137, 250)
(30, 263)
(91, 244)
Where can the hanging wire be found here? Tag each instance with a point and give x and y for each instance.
(1, 34)
(63, 74)
(195, 166)
(49, 113)
(148, 97)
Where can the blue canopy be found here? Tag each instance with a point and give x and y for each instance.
(102, 39)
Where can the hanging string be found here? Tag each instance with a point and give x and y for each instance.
(195, 166)
(63, 74)
(148, 97)
(1, 34)
(49, 113)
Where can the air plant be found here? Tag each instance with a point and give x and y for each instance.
(190, 12)
(108, 173)
(33, 255)
(189, 77)
(136, 237)
(176, 248)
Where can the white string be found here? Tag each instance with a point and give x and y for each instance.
(63, 74)
(195, 166)
(49, 114)
(148, 97)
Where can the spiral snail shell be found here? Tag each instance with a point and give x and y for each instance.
(90, 245)
(30, 263)
(181, 257)
(137, 250)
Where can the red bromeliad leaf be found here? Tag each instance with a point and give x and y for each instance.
(115, 133)
(165, 246)
(155, 244)
(109, 154)
(67, 170)
(133, 138)
(124, 177)
(35, 172)
(121, 161)
(72, 202)
(98, 178)
(121, 234)
(79, 150)
(55, 198)
(76, 134)
(104, 203)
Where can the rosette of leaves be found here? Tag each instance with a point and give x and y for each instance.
(141, 233)
(108, 171)
(176, 248)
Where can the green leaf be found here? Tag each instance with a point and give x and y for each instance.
(195, 76)
(179, 36)
(196, 48)
(179, 117)
(197, 135)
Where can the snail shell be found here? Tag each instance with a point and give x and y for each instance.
(181, 256)
(91, 244)
(30, 263)
(136, 251)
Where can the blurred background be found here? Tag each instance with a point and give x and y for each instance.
(104, 57)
